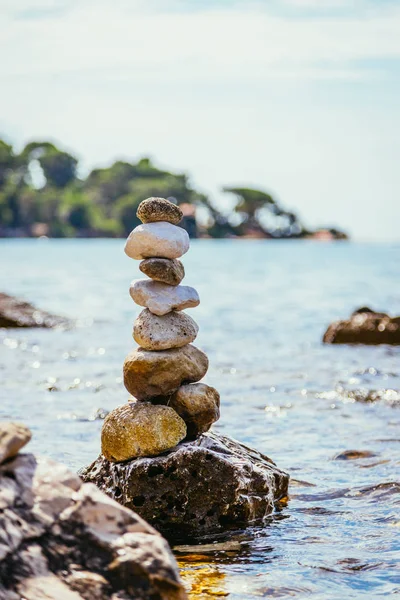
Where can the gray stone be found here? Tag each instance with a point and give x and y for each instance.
(202, 487)
(157, 239)
(161, 298)
(173, 330)
(15, 312)
(61, 539)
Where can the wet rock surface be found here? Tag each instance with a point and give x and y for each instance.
(140, 429)
(365, 326)
(15, 312)
(148, 374)
(197, 404)
(173, 330)
(166, 270)
(64, 540)
(199, 487)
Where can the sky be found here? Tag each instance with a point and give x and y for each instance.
(300, 98)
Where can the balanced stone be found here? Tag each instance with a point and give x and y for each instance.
(167, 270)
(157, 239)
(173, 330)
(197, 404)
(159, 209)
(140, 429)
(161, 298)
(148, 374)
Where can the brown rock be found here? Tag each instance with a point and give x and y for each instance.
(13, 437)
(148, 374)
(159, 209)
(140, 429)
(364, 327)
(173, 330)
(166, 270)
(198, 488)
(197, 404)
(48, 521)
(15, 312)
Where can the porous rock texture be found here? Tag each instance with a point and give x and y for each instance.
(200, 487)
(158, 209)
(166, 270)
(140, 429)
(197, 404)
(173, 330)
(161, 298)
(15, 312)
(157, 239)
(365, 326)
(148, 374)
(61, 539)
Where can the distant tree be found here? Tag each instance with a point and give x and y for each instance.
(7, 161)
(59, 168)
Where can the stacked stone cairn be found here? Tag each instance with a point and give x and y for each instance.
(168, 404)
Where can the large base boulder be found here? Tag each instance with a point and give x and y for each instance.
(200, 487)
(365, 326)
(61, 539)
(15, 312)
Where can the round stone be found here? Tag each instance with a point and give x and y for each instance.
(161, 298)
(159, 209)
(166, 270)
(173, 330)
(149, 374)
(197, 404)
(162, 240)
(140, 429)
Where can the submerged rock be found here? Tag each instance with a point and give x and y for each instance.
(159, 209)
(157, 239)
(166, 270)
(199, 487)
(15, 312)
(173, 330)
(61, 539)
(140, 429)
(148, 374)
(161, 298)
(197, 404)
(365, 326)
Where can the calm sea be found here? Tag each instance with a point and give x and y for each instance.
(264, 308)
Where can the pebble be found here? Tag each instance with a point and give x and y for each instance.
(13, 437)
(161, 298)
(198, 405)
(167, 270)
(159, 209)
(149, 374)
(140, 429)
(173, 330)
(162, 240)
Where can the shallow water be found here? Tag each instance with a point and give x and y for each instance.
(265, 306)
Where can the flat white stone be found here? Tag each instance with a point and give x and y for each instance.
(159, 239)
(161, 298)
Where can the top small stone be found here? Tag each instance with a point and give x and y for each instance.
(159, 209)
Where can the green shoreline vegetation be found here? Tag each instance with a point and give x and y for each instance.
(41, 194)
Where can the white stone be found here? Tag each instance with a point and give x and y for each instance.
(161, 298)
(160, 239)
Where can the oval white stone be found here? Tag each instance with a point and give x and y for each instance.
(161, 298)
(159, 239)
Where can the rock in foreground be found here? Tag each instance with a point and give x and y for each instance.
(365, 326)
(15, 312)
(199, 487)
(64, 540)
